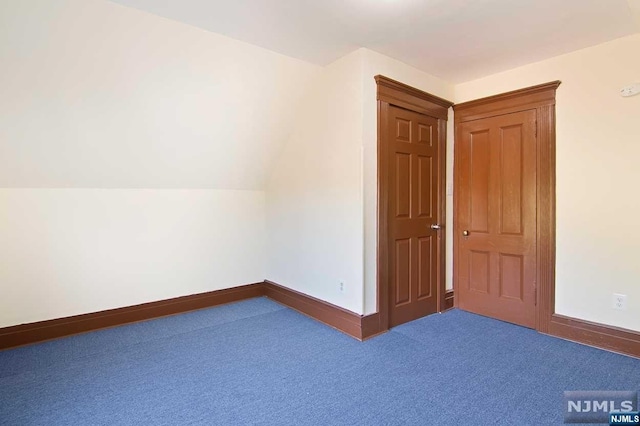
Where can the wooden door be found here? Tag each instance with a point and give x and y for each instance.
(414, 203)
(495, 216)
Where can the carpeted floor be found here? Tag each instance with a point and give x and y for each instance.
(256, 362)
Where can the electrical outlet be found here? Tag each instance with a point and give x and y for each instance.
(631, 90)
(341, 286)
(619, 302)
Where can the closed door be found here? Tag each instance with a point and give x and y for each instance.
(495, 216)
(414, 176)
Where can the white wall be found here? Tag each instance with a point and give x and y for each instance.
(72, 251)
(374, 64)
(314, 195)
(97, 95)
(597, 175)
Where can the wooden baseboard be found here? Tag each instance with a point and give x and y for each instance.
(371, 326)
(25, 334)
(607, 337)
(448, 300)
(358, 326)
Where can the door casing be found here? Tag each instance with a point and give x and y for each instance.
(391, 92)
(541, 98)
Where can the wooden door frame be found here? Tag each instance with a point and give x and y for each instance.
(542, 99)
(391, 92)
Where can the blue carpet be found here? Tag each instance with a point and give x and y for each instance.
(256, 362)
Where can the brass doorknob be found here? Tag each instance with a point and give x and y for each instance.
(465, 233)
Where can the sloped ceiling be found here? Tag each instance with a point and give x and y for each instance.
(102, 96)
(456, 40)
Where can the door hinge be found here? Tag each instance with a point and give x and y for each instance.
(535, 293)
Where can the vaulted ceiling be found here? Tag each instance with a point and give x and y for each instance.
(457, 40)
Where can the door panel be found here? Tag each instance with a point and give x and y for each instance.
(425, 262)
(413, 208)
(403, 185)
(496, 207)
(478, 200)
(425, 186)
(403, 271)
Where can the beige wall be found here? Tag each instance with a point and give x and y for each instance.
(251, 146)
(374, 64)
(322, 196)
(598, 144)
(72, 251)
(314, 195)
(161, 135)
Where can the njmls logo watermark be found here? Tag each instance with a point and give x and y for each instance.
(596, 406)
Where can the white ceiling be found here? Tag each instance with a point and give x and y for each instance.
(457, 40)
